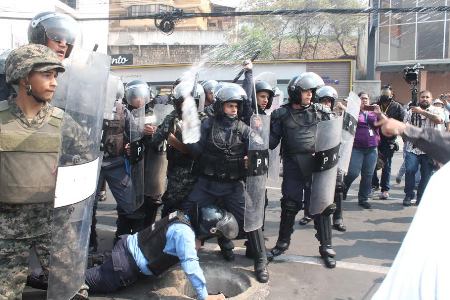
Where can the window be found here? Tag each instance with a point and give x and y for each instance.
(430, 40)
(402, 42)
(143, 10)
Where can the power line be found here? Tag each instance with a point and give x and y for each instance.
(179, 14)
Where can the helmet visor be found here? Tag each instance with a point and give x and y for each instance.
(61, 28)
(228, 226)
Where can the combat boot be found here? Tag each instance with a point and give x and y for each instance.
(226, 248)
(256, 243)
(284, 235)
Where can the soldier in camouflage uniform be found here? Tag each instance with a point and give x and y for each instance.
(30, 140)
(180, 175)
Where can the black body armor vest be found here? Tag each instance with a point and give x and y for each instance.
(152, 241)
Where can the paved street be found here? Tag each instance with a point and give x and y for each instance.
(364, 252)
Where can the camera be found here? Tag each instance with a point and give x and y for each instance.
(411, 74)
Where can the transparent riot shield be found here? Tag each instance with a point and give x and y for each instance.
(135, 161)
(155, 159)
(269, 77)
(111, 96)
(77, 172)
(159, 113)
(258, 162)
(348, 131)
(59, 98)
(328, 139)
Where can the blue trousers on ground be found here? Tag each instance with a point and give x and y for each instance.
(118, 271)
(387, 153)
(412, 163)
(363, 161)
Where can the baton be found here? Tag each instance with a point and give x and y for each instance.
(243, 70)
(95, 48)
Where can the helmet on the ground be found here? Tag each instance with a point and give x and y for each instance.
(209, 86)
(327, 92)
(229, 93)
(209, 221)
(53, 26)
(137, 89)
(263, 86)
(32, 57)
(306, 81)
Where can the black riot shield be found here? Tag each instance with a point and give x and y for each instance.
(77, 172)
(258, 163)
(348, 131)
(328, 139)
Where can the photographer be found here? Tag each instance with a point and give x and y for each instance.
(423, 116)
(387, 145)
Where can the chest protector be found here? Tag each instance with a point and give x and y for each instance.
(113, 134)
(28, 158)
(223, 157)
(152, 241)
(299, 130)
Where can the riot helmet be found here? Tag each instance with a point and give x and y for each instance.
(327, 93)
(186, 89)
(209, 221)
(221, 85)
(263, 86)
(137, 93)
(21, 61)
(209, 87)
(303, 82)
(54, 26)
(386, 93)
(230, 93)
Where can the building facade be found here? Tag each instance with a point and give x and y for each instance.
(405, 39)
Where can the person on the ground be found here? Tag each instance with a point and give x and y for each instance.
(152, 251)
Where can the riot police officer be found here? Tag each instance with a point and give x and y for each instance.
(54, 30)
(295, 126)
(221, 162)
(180, 177)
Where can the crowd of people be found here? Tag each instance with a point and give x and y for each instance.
(198, 157)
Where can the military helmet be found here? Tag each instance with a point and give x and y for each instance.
(327, 92)
(209, 86)
(305, 81)
(53, 26)
(137, 89)
(263, 86)
(209, 221)
(3, 56)
(32, 57)
(229, 93)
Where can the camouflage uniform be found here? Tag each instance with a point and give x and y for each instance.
(28, 220)
(180, 175)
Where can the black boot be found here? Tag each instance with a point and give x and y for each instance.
(338, 221)
(288, 212)
(256, 243)
(322, 223)
(226, 248)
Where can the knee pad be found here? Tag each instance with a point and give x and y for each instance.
(290, 205)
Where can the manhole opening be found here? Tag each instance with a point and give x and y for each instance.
(231, 284)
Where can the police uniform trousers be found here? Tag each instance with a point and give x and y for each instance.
(295, 186)
(116, 272)
(228, 194)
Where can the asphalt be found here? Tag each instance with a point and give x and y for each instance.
(364, 252)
